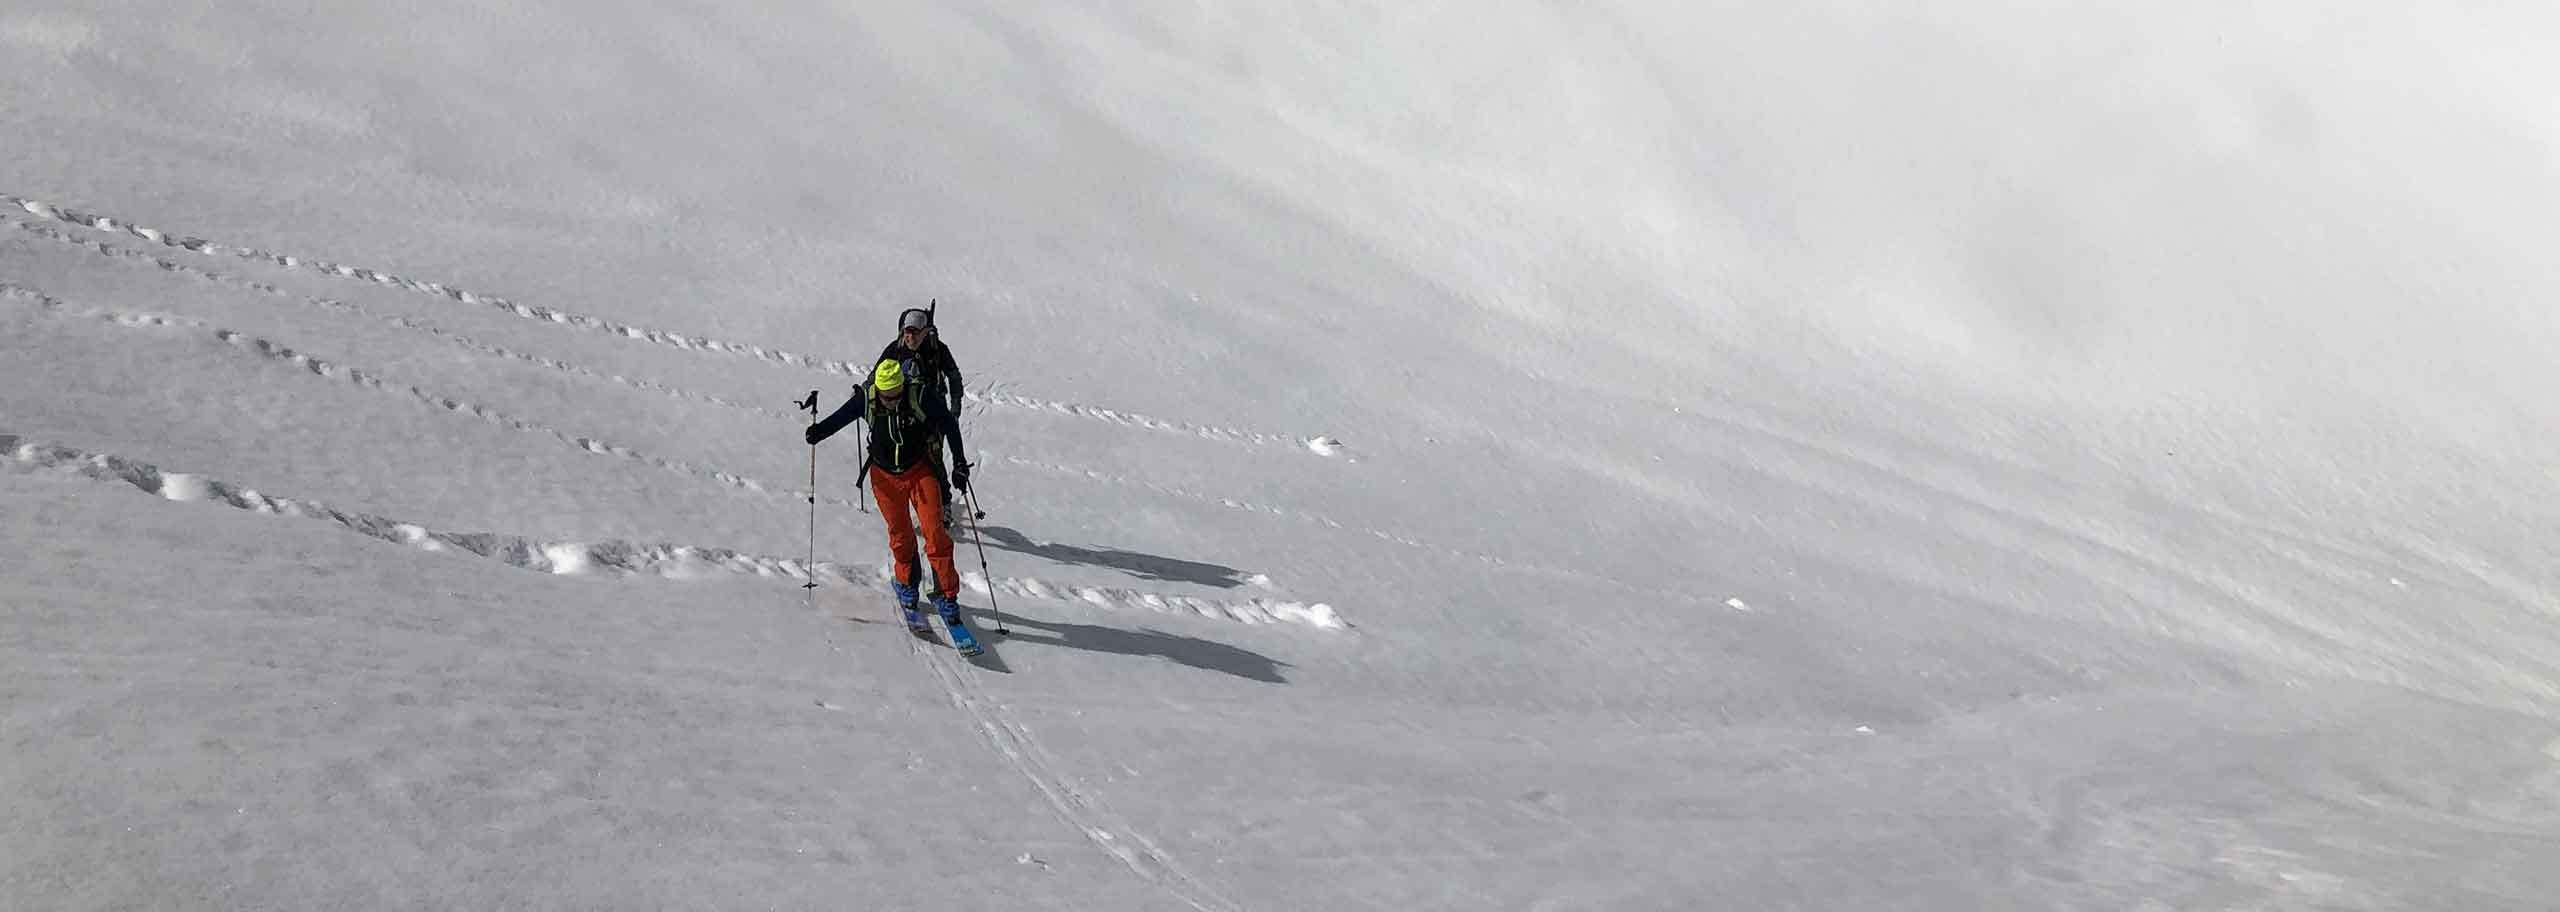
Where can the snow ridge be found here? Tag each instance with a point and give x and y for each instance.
(676, 340)
(1248, 611)
(670, 561)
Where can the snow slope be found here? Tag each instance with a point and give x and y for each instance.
(1437, 456)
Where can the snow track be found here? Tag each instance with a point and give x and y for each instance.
(1107, 831)
(675, 340)
(675, 561)
(407, 323)
(320, 367)
(617, 557)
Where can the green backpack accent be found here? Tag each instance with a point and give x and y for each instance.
(897, 440)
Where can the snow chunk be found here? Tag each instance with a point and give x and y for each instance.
(181, 486)
(1736, 604)
(687, 563)
(1318, 615)
(568, 557)
(1322, 445)
(417, 536)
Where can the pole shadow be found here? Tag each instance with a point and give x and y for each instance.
(1207, 655)
(1142, 566)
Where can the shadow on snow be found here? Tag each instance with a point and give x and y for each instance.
(1198, 653)
(1143, 566)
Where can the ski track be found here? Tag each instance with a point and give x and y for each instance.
(680, 341)
(623, 558)
(458, 339)
(467, 342)
(319, 367)
(1080, 811)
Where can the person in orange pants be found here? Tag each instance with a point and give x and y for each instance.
(903, 432)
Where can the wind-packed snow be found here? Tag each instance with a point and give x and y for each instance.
(1435, 456)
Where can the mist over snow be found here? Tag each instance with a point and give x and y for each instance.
(1450, 456)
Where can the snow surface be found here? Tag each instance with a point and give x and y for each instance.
(1446, 456)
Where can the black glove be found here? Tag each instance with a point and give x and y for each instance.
(960, 477)
(812, 435)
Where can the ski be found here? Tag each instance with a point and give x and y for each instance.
(961, 638)
(965, 642)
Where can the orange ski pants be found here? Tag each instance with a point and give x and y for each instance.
(895, 492)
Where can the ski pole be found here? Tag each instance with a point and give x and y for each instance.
(811, 404)
(970, 493)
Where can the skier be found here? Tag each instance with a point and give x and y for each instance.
(919, 351)
(905, 428)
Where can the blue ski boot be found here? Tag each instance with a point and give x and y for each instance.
(961, 638)
(907, 605)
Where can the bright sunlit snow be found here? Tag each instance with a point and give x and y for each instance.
(1470, 456)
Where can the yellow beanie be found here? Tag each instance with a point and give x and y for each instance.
(888, 377)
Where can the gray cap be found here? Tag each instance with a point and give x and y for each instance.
(913, 319)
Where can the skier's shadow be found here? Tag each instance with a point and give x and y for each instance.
(1143, 566)
(1191, 651)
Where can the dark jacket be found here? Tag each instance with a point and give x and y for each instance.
(929, 367)
(901, 436)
